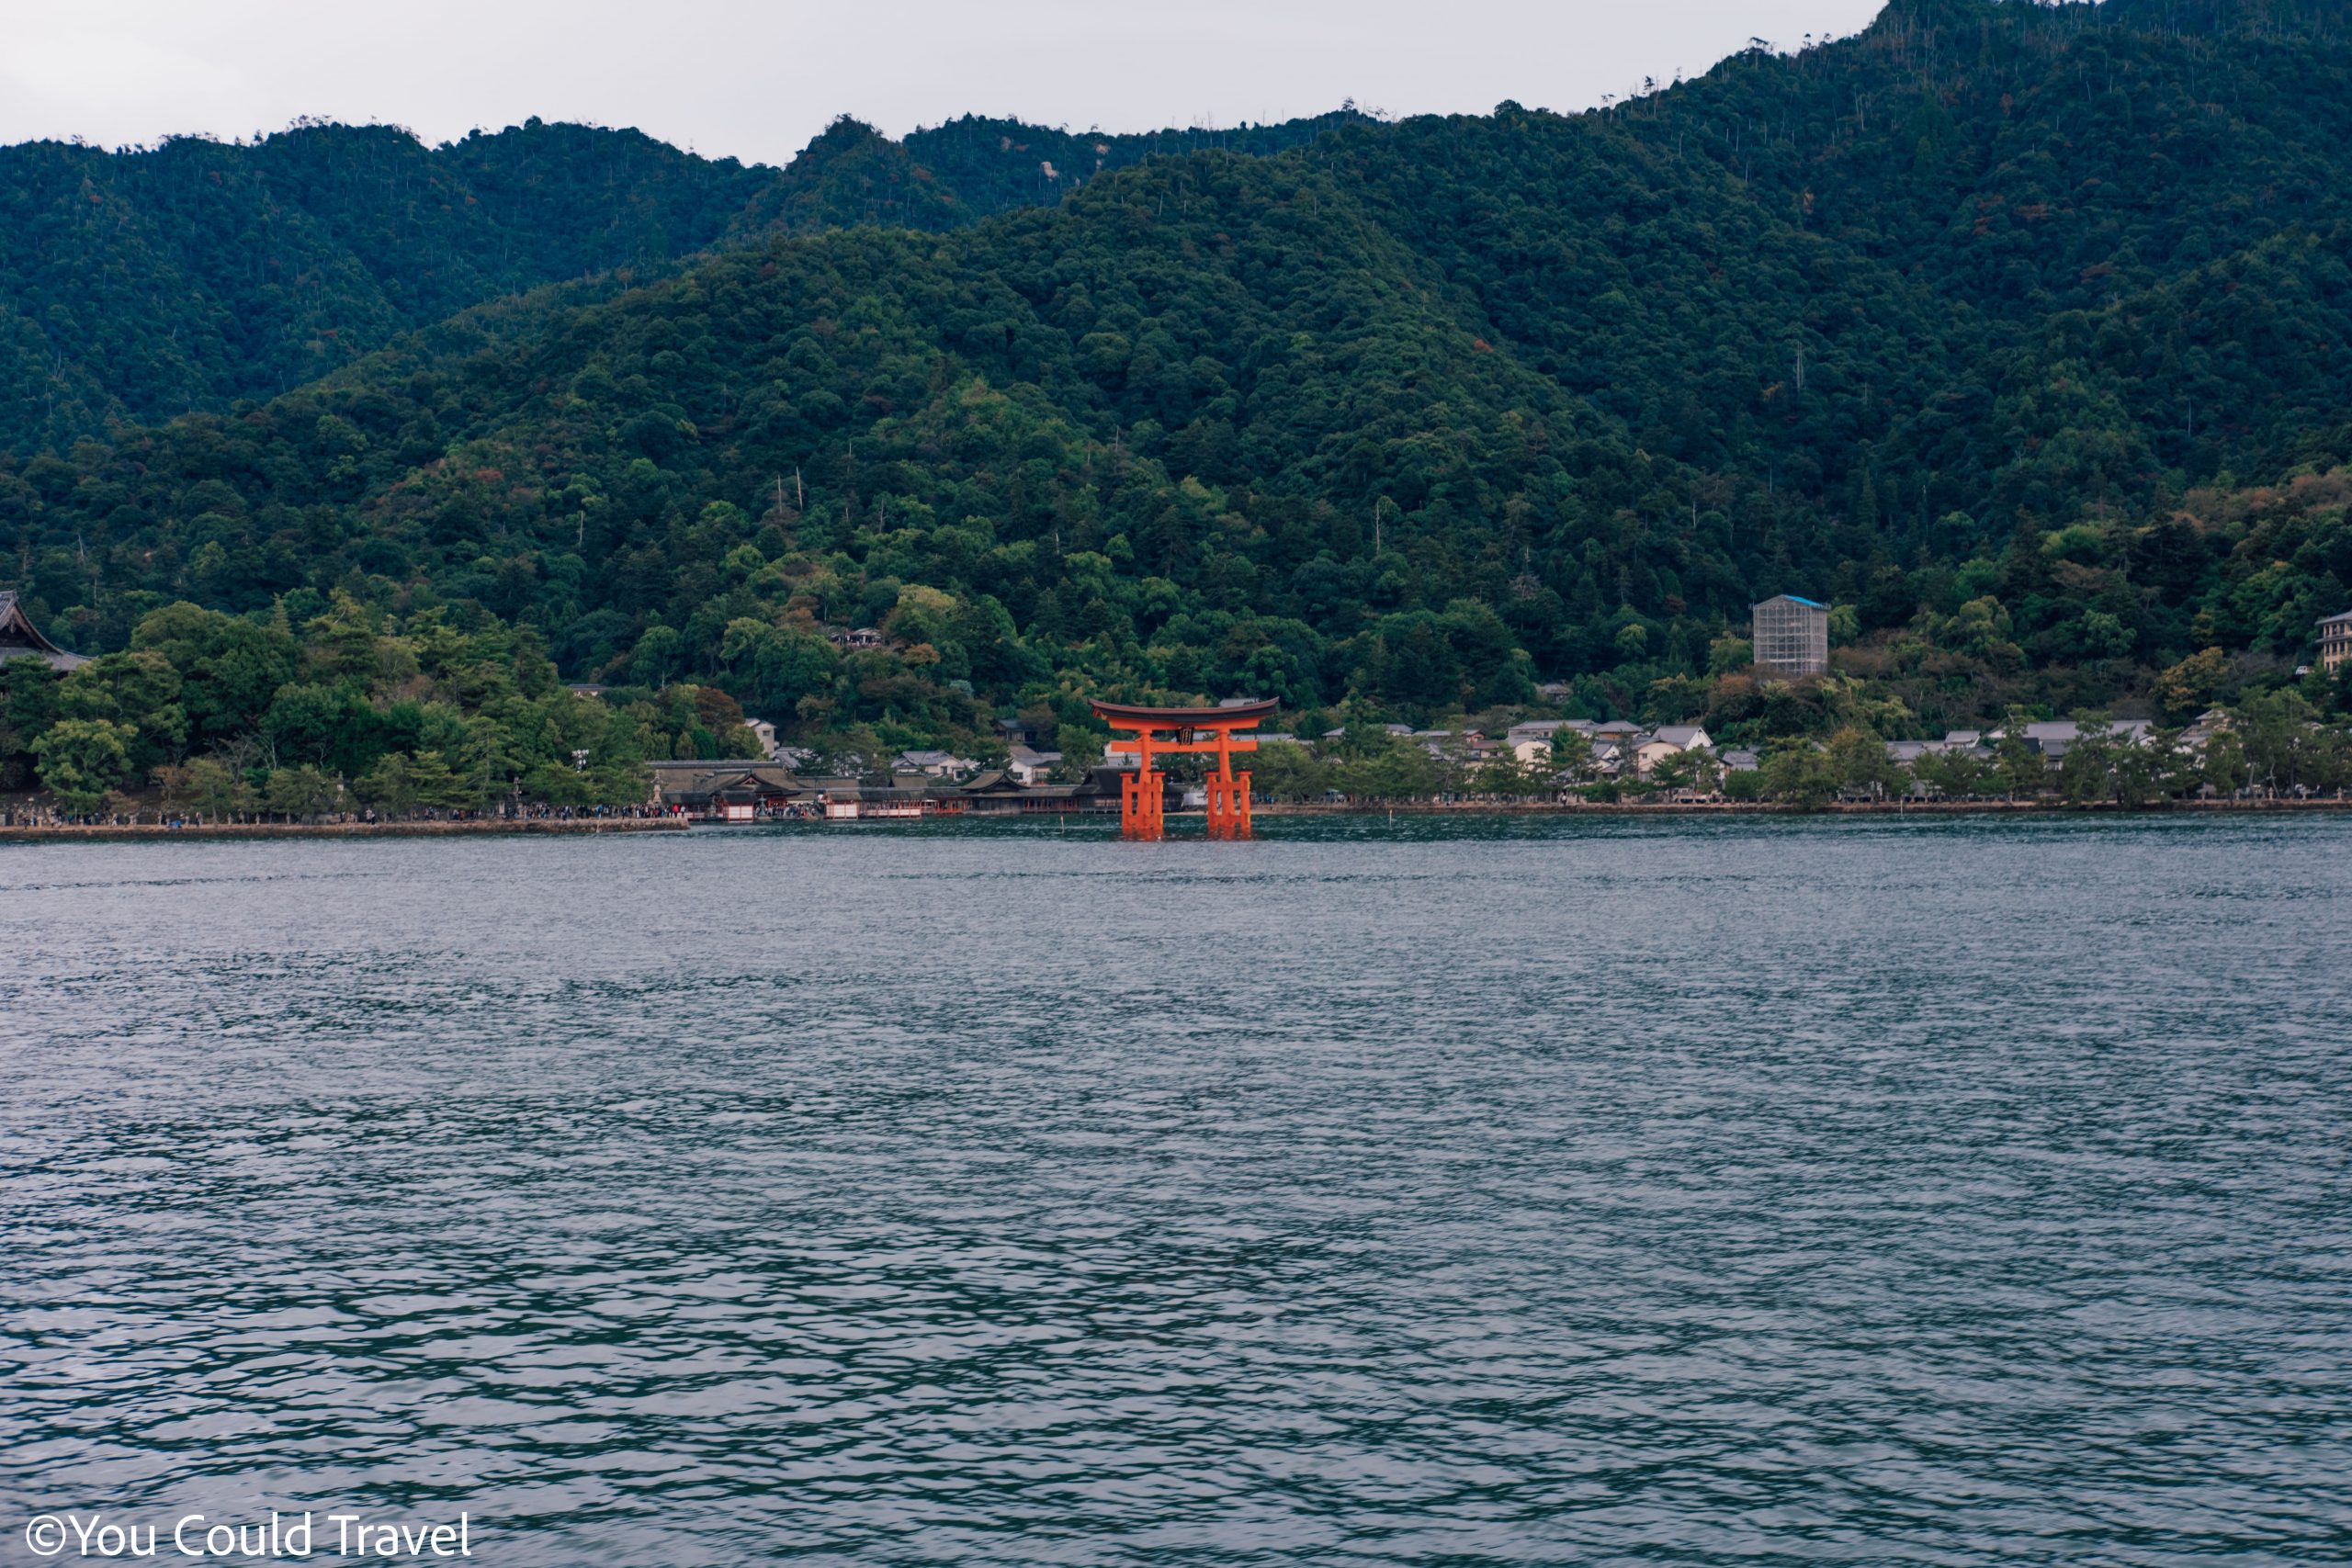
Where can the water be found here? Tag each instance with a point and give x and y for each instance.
(1750, 1191)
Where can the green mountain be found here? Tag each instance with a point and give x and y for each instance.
(147, 283)
(2021, 332)
(144, 284)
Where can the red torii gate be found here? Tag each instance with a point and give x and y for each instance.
(1206, 730)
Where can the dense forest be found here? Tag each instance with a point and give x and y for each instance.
(143, 283)
(2020, 333)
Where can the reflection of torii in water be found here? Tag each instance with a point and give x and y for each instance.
(1206, 730)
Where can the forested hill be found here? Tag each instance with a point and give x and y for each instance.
(150, 282)
(2023, 334)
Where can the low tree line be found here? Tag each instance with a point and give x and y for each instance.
(230, 716)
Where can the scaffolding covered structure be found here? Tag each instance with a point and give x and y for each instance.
(1791, 637)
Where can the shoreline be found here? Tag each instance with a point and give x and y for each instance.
(95, 832)
(1782, 808)
(27, 833)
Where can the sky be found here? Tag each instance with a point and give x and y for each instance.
(756, 79)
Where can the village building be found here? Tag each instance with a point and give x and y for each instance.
(1032, 768)
(1791, 635)
(1022, 731)
(1531, 741)
(19, 638)
(935, 764)
(2335, 641)
(1460, 746)
(1668, 740)
(2203, 727)
(2054, 738)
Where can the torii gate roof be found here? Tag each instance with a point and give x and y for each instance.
(1128, 715)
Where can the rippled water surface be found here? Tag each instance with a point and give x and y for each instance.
(1700, 1193)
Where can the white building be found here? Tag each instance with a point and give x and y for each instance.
(935, 764)
(1032, 768)
(1668, 741)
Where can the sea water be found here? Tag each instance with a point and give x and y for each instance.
(1754, 1190)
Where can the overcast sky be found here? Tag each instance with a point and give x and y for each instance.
(757, 78)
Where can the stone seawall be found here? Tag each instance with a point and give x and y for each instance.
(95, 832)
(1771, 808)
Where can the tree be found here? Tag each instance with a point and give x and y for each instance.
(303, 793)
(1671, 773)
(2174, 763)
(1280, 771)
(1505, 776)
(2142, 769)
(1956, 774)
(1799, 775)
(2019, 767)
(778, 666)
(1859, 765)
(436, 783)
(333, 728)
(1571, 754)
(661, 653)
(2223, 767)
(81, 759)
(28, 706)
(1706, 770)
(1391, 768)
(390, 787)
(229, 668)
(2086, 774)
(216, 790)
(2189, 687)
(140, 691)
(2280, 734)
